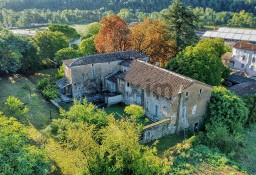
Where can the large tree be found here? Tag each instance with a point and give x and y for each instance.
(153, 39)
(87, 46)
(17, 154)
(49, 43)
(113, 36)
(64, 54)
(68, 31)
(181, 21)
(9, 59)
(201, 62)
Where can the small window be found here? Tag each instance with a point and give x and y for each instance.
(92, 64)
(127, 95)
(128, 84)
(157, 97)
(243, 57)
(242, 65)
(186, 94)
(253, 59)
(252, 67)
(200, 91)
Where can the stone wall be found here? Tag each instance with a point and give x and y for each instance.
(113, 100)
(157, 130)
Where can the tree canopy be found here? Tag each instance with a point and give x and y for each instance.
(49, 43)
(68, 31)
(153, 39)
(181, 20)
(113, 36)
(18, 156)
(201, 62)
(64, 54)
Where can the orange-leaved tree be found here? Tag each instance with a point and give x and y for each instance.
(113, 36)
(153, 39)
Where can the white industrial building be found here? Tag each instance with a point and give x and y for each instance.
(232, 35)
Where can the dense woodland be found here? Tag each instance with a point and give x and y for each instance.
(27, 13)
(140, 5)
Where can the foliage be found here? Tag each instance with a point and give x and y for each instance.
(243, 19)
(190, 157)
(24, 54)
(181, 20)
(218, 136)
(153, 39)
(113, 36)
(9, 59)
(48, 88)
(49, 43)
(250, 102)
(114, 149)
(15, 108)
(227, 108)
(87, 46)
(135, 112)
(65, 54)
(68, 31)
(86, 112)
(60, 73)
(201, 62)
(92, 29)
(17, 155)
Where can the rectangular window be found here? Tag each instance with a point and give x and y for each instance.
(242, 65)
(128, 84)
(126, 95)
(157, 97)
(200, 92)
(187, 94)
(93, 72)
(157, 110)
(253, 59)
(243, 58)
(147, 107)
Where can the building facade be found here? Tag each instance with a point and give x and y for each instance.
(244, 58)
(127, 77)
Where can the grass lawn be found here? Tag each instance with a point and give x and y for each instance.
(167, 142)
(117, 110)
(38, 75)
(39, 109)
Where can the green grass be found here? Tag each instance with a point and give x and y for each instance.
(39, 74)
(248, 158)
(39, 109)
(117, 110)
(167, 142)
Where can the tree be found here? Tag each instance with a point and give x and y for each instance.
(92, 29)
(250, 101)
(153, 39)
(113, 36)
(29, 60)
(181, 20)
(227, 108)
(17, 155)
(15, 108)
(64, 54)
(49, 43)
(9, 59)
(135, 111)
(68, 31)
(201, 62)
(86, 112)
(87, 47)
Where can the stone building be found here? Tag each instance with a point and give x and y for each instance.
(244, 58)
(174, 100)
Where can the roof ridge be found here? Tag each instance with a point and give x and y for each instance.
(176, 74)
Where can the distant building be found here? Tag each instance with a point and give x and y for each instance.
(244, 58)
(232, 35)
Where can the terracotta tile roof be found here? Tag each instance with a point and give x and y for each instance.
(160, 81)
(105, 57)
(245, 46)
(244, 89)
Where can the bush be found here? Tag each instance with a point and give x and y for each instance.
(47, 88)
